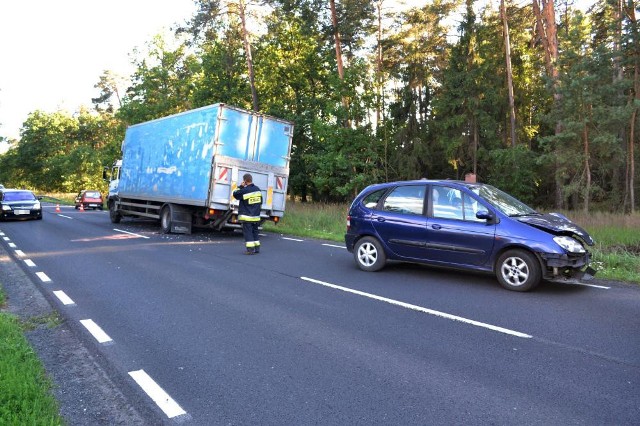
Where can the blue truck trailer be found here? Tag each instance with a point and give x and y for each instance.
(182, 169)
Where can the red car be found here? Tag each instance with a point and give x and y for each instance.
(89, 199)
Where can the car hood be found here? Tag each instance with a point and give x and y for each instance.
(557, 224)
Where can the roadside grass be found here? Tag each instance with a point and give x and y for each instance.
(25, 389)
(616, 253)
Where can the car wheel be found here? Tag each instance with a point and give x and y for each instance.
(369, 254)
(518, 270)
(113, 214)
(165, 219)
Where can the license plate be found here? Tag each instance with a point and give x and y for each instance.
(93, 205)
(21, 212)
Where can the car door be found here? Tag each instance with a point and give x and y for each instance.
(401, 223)
(454, 234)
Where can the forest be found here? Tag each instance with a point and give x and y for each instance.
(536, 97)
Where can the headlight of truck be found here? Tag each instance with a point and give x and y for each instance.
(569, 244)
(6, 208)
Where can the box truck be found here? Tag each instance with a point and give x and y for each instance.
(182, 169)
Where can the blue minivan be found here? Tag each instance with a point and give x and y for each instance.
(463, 225)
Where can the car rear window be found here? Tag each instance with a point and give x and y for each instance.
(92, 194)
(18, 196)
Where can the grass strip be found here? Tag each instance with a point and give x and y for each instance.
(25, 389)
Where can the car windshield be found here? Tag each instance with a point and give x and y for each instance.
(503, 201)
(19, 196)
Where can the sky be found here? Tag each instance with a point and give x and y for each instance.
(52, 52)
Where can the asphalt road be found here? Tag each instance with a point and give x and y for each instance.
(192, 331)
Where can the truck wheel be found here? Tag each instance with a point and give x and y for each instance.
(518, 270)
(113, 213)
(165, 219)
(369, 254)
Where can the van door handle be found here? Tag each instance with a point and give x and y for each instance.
(436, 226)
(380, 219)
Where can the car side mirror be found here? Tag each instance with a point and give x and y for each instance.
(485, 215)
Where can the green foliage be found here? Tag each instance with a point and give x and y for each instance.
(414, 101)
(514, 170)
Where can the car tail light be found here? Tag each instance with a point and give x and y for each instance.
(348, 223)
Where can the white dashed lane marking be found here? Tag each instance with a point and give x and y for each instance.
(43, 277)
(157, 394)
(66, 300)
(334, 245)
(131, 233)
(96, 331)
(29, 263)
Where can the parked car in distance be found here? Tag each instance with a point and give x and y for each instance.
(88, 198)
(470, 226)
(19, 204)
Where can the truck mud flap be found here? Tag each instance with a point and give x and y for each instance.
(180, 220)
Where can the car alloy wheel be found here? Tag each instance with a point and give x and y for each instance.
(369, 254)
(518, 270)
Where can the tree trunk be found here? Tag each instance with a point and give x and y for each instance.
(247, 49)
(338, 42)
(507, 54)
(631, 14)
(548, 33)
(587, 166)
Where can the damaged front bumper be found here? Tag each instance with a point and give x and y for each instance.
(567, 268)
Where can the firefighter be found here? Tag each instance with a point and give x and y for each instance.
(249, 207)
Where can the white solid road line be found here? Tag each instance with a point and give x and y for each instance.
(155, 392)
(592, 285)
(66, 300)
(66, 217)
(43, 277)
(292, 239)
(334, 245)
(421, 309)
(130, 233)
(96, 331)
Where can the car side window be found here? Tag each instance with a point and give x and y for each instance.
(447, 203)
(372, 200)
(450, 203)
(407, 199)
(470, 208)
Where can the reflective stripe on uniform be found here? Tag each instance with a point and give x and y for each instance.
(244, 218)
(253, 197)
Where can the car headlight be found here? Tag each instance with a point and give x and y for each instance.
(569, 244)
(36, 206)
(6, 208)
